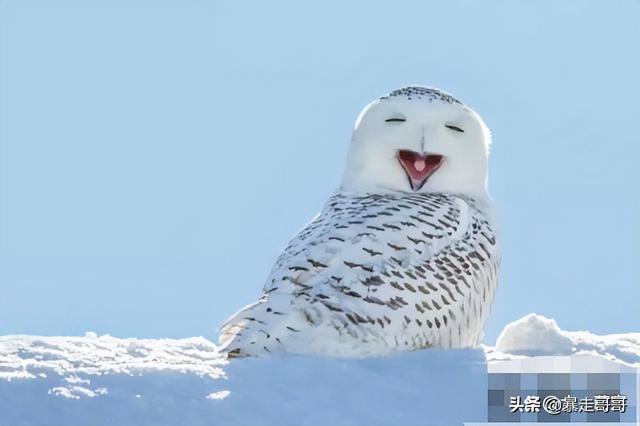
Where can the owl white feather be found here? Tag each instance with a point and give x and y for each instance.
(403, 256)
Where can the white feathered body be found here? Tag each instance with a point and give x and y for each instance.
(375, 274)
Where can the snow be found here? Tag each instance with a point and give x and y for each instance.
(162, 382)
(535, 335)
(104, 380)
(24, 357)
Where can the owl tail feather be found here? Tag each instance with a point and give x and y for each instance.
(253, 331)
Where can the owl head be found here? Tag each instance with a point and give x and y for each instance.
(418, 139)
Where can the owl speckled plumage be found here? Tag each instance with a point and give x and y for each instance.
(403, 256)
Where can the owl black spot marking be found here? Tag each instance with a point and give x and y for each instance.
(429, 94)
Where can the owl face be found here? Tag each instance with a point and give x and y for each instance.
(430, 143)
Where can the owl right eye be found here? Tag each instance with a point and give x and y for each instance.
(395, 120)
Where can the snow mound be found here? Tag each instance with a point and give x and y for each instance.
(534, 334)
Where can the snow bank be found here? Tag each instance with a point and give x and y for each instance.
(109, 381)
(103, 380)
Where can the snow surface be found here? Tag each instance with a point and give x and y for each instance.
(103, 380)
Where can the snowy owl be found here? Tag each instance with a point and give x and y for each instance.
(403, 256)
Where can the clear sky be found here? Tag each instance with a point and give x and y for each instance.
(156, 156)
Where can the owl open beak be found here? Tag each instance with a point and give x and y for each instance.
(419, 167)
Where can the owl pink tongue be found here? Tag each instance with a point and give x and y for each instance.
(419, 167)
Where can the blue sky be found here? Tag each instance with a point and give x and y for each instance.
(156, 156)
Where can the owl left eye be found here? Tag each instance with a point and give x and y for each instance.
(455, 128)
